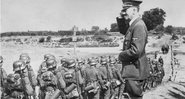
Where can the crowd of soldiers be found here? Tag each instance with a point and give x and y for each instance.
(156, 73)
(92, 78)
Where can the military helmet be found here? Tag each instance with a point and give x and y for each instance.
(1, 59)
(26, 59)
(112, 60)
(24, 54)
(51, 63)
(19, 65)
(10, 78)
(92, 62)
(70, 63)
(47, 56)
(103, 61)
(63, 60)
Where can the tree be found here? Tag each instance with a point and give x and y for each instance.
(48, 39)
(159, 28)
(114, 27)
(154, 17)
(41, 40)
(169, 29)
(95, 28)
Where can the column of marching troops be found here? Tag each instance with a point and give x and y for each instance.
(92, 78)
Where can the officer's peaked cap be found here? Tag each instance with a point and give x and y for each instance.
(130, 3)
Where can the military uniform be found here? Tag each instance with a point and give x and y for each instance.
(48, 84)
(133, 57)
(3, 76)
(31, 74)
(93, 80)
(107, 76)
(73, 79)
(117, 80)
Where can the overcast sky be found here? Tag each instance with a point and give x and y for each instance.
(54, 15)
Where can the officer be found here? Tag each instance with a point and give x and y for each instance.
(32, 77)
(106, 74)
(19, 68)
(133, 57)
(93, 80)
(72, 79)
(2, 77)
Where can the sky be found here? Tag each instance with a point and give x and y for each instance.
(54, 15)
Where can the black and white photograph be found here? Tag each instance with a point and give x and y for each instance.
(92, 49)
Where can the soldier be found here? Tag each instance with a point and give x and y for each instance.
(93, 80)
(117, 79)
(48, 84)
(165, 48)
(160, 60)
(106, 74)
(3, 77)
(51, 66)
(31, 74)
(133, 57)
(73, 80)
(26, 90)
(43, 64)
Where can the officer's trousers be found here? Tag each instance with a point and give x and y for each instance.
(134, 89)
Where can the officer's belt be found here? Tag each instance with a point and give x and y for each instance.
(127, 63)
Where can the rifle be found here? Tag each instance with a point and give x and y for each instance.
(30, 78)
(108, 77)
(77, 81)
(23, 84)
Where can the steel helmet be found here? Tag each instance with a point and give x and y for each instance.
(26, 59)
(92, 62)
(19, 65)
(10, 78)
(51, 63)
(70, 63)
(112, 60)
(103, 61)
(47, 56)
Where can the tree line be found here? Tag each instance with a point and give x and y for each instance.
(153, 18)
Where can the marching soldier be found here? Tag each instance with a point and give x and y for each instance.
(93, 80)
(72, 79)
(21, 88)
(106, 74)
(133, 57)
(48, 84)
(51, 66)
(3, 77)
(43, 64)
(31, 74)
(117, 80)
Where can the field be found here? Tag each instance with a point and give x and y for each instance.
(11, 53)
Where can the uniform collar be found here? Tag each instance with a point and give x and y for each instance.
(130, 23)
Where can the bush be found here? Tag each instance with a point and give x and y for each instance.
(41, 40)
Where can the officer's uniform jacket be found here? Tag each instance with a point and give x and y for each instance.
(133, 56)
